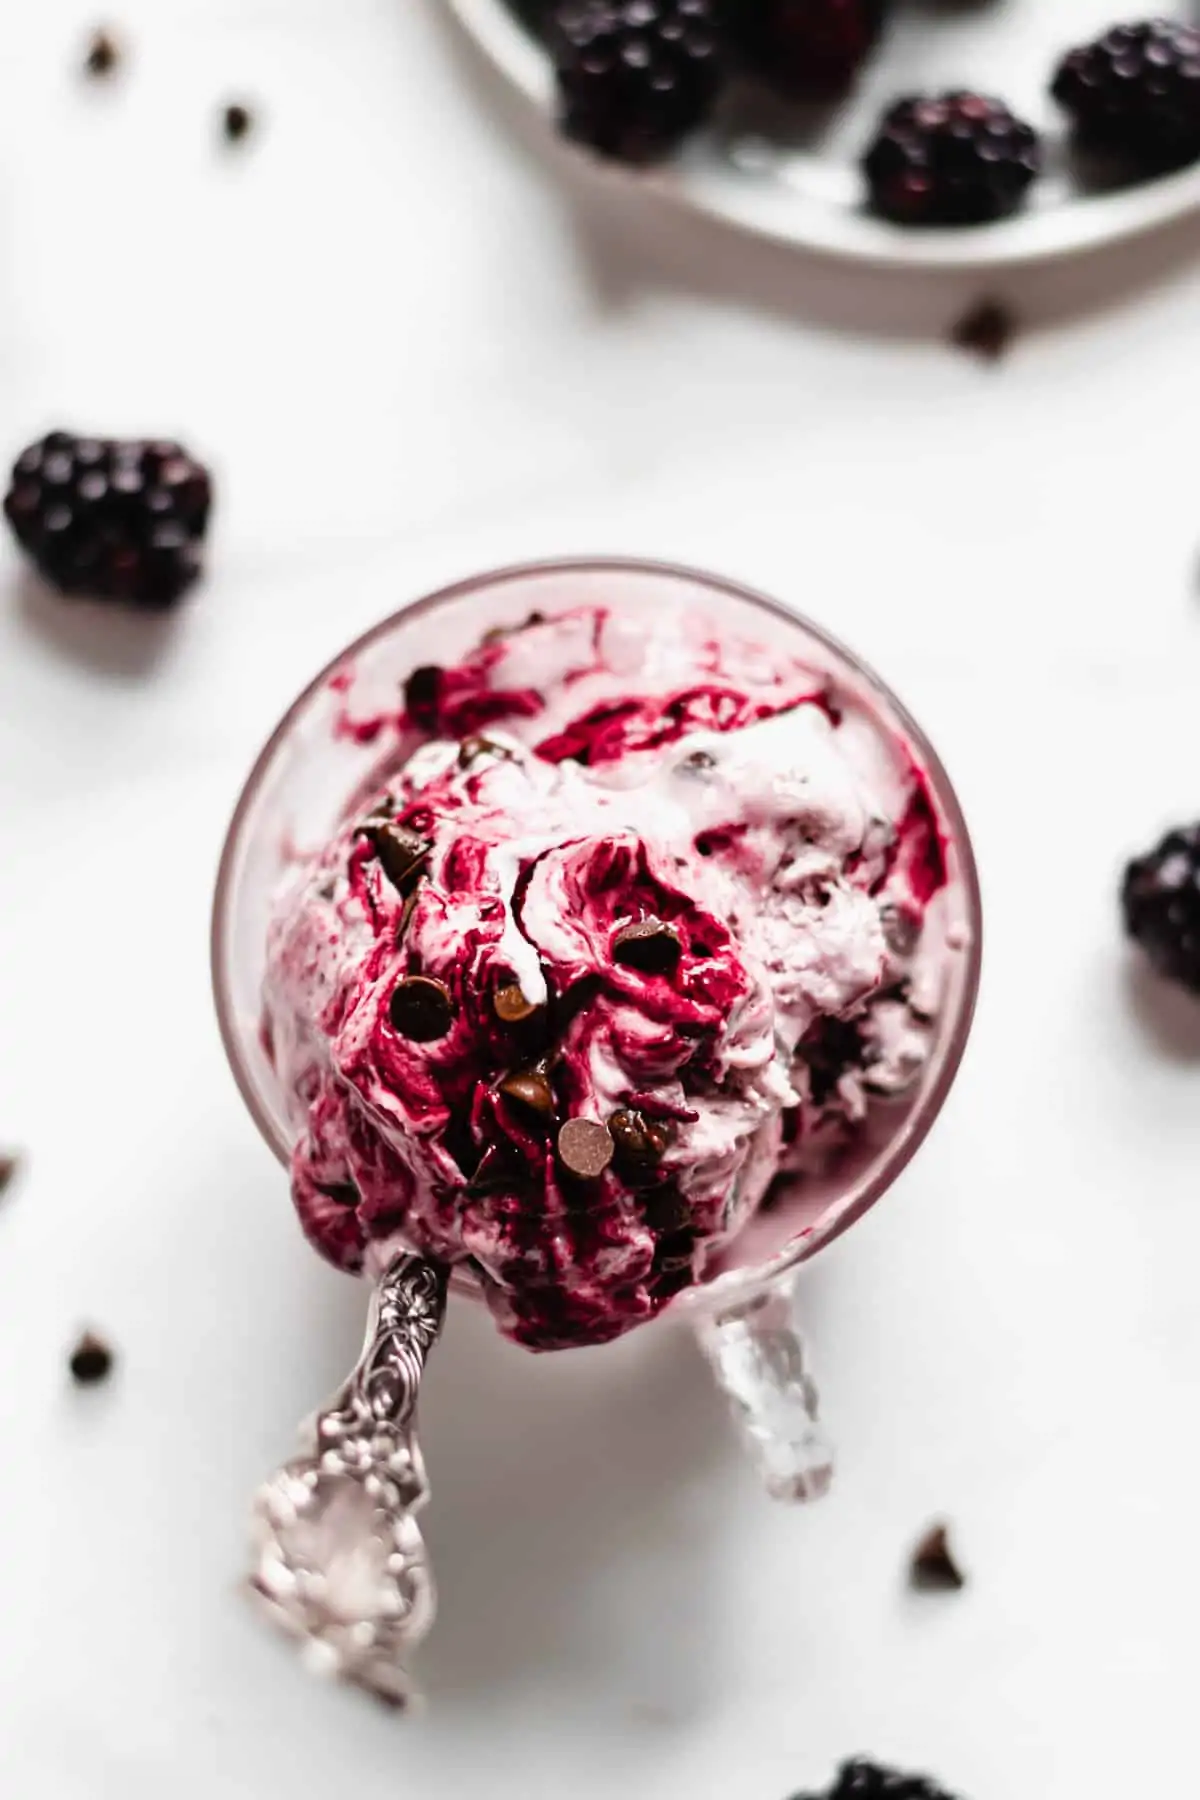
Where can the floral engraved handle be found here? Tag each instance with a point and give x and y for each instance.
(340, 1563)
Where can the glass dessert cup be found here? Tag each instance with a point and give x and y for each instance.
(341, 1563)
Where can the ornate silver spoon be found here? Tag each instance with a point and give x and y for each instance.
(340, 1562)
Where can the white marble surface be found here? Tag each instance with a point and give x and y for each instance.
(413, 346)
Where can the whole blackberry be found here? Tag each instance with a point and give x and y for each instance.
(1136, 92)
(113, 519)
(635, 76)
(1160, 900)
(805, 49)
(862, 1780)
(950, 159)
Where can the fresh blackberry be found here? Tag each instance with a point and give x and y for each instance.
(805, 49)
(635, 76)
(950, 159)
(114, 519)
(862, 1780)
(1136, 92)
(1160, 900)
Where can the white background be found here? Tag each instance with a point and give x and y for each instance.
(415, 345)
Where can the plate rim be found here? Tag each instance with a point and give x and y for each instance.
(1093, 222)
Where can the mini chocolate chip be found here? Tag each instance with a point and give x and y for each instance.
(585, 1148)
(650, 946)
(237, 122)
(91, 1360)
(402, 854)
(985, 330)
(512, 1005)
(103, 53)
(529, 1087)
(10, 1167)
(472, 748)
(422, 694)
(933, 1567)
(421, 1009)
(641, 1143)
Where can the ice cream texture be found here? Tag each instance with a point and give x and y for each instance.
(631, 930)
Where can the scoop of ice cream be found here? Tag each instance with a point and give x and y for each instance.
(628, 928)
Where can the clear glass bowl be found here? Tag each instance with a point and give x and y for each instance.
(300, 787)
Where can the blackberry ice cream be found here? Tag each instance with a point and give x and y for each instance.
(635, 925)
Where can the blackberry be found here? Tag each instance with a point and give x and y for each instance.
(805, 49)
(1136, 92)
(1160, 900)
(635, 76)
(950, 159)
(113, 519)
(862, 1780)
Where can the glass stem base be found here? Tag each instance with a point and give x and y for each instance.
(761, 1362)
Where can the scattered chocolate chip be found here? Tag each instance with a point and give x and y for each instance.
(103, 54)
(585, 1148)
(237, 122)
(933, 1568)
(421, 1009)
(10, 1167)
(422, 695)
(472, 748)
(91, 1360)
(985, 330)
(511, 1004)
(530, 1088)
(640, 1143)
(402, 854)
(650, 946)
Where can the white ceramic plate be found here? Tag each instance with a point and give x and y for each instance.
(810, 194)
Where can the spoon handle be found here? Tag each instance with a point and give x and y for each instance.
(339, 1561)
